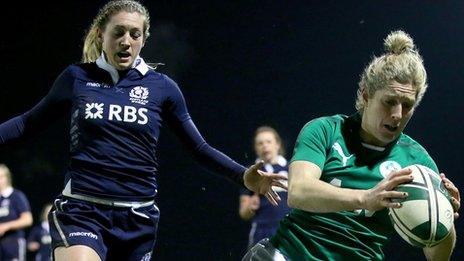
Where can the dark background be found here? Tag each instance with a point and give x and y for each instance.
(240, 64)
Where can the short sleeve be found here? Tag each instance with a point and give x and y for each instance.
(312, 142)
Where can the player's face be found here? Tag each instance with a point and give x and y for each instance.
(386, 113)
(266, 146)
(123, 38)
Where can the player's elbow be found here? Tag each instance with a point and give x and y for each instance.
(299, 195)
(294, 197)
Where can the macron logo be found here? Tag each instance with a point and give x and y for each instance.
(83, 234)
(97, 85)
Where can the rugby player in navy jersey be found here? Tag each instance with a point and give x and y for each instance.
(15, 215)
(39, 239)
(117, 105)
(264, 216)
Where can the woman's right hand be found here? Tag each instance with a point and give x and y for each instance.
(382, 195)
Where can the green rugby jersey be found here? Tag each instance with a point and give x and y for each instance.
(333, 143)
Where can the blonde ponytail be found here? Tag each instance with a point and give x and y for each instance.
(92, 46)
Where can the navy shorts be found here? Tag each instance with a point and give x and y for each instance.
(12, 248)
(115, 233)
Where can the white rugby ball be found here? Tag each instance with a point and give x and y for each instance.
(426, 216)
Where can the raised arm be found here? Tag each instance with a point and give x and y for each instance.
(208, 156)
(57, 101)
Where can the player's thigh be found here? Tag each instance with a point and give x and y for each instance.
(75, 253)
(138, 239)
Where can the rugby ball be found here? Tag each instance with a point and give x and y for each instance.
(426, 216)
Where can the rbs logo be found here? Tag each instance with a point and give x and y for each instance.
(117, 113)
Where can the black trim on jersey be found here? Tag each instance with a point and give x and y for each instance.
(364, 156)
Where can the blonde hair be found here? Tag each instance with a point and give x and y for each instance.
(92, 44)
(7, 173)
(276, 136)
(401, 63)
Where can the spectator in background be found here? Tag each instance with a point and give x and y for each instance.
(15, 215)
(264, 216)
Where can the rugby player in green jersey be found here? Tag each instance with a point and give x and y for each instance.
(344, 169)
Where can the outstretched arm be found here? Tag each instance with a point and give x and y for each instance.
(206, 155)
(46, 111)
(176, 114)
(255, 179)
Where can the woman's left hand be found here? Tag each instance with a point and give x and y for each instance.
(261, 182)
(454, 192)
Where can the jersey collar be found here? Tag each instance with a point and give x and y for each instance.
(366, 153)
(7, 192)
(281, 161)
(139, 64)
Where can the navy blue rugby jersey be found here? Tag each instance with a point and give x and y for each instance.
(115, 124)
(13, 203)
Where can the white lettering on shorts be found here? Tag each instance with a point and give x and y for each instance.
(83, 234)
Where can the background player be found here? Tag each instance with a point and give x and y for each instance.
(264, 216)
(15, 215)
